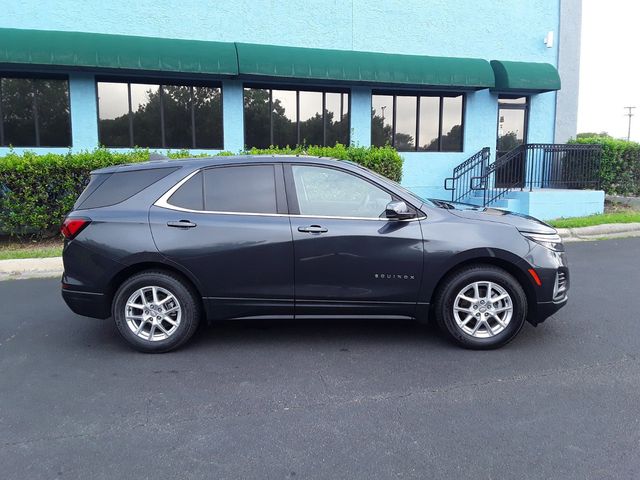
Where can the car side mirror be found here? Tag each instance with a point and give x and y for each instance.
(398, 210)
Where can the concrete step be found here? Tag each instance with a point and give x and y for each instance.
(505, 203)
(480, 193)
(502, 203)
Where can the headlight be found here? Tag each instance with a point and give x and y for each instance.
(552, 241)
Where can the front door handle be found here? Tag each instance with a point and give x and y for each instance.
(182, 224)
(313, 229)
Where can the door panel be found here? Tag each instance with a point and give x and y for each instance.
(244, 262)
(512, 132)
(357, 267)
(349, 260)
(228, 226)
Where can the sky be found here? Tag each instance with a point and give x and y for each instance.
(609, 67)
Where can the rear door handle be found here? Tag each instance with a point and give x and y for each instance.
(313, 229)
(182, 224)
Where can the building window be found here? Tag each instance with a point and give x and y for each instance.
(156, 115)
(295, 117)
(34, 112)
(417, 122)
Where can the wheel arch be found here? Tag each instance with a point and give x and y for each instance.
(512, 266)
(132, 269)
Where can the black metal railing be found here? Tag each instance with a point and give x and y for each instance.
(540, 165)
(460, 182)
(572, 166)
(502, 176)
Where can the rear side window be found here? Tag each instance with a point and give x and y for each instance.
(95, 181)
(189, 195)
(246, 188)
(119, 186)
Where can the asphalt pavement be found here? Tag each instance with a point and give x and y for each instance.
(340, 399)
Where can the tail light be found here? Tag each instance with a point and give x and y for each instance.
(72, 226)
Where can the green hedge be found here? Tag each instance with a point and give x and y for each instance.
(37, 191)
(620, 166)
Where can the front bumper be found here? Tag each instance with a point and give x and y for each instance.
(545, 309)
(552, 295)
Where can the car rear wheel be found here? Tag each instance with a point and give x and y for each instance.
(156, 311)
(481, 307)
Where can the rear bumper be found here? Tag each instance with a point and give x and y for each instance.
(88, 304)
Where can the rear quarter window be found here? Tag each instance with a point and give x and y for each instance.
(189, 195)
(111, 189)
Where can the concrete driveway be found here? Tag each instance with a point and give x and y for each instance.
(332, 400)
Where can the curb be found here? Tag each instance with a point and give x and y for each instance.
(596, 232)
(52, 267)
(31, 268)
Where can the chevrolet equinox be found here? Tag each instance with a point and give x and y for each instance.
(163, 246)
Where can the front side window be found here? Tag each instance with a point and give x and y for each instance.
(417, 122)
(157, 115)
(34, 112)
(322, 191)
(284, 117)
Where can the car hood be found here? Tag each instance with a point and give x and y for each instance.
(524, 223)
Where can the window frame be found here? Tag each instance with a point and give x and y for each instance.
(297, 89)
(35, 76)
(292, 196)
(286, 196)
(161, 82)
(417, 94)
(281, 202)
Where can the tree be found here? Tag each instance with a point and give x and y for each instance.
(593, 135)
(21, 98)
(176, 104)
(258, 118)
(508, 141)
(451, 141)
(381, 133)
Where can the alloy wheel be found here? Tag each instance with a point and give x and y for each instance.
(483, 309)
(153, 313)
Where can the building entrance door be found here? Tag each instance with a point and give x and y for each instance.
(512, 132)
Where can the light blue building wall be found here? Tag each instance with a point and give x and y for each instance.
(487, 29)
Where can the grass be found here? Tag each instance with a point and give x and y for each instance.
(12, 250)
(628, 216)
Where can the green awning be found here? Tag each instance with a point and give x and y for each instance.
(264, 61)
(95, 50)
(525, 77)
(83, 50)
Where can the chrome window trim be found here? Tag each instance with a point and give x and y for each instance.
(163, 202)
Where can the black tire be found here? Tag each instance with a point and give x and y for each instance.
(456, 282)
(179, 288)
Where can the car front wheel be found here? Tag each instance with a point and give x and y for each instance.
(481, 307)
(156, 311)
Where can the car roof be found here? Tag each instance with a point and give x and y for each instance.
(200, 162)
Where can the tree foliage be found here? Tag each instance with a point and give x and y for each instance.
(620, 165)
(176, 103)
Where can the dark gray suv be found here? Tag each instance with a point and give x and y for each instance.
(165, 245)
